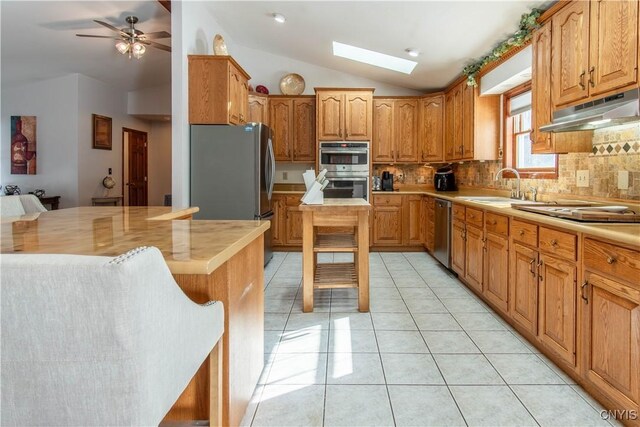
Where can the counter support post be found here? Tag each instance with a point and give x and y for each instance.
(308, 259)
(362, 261)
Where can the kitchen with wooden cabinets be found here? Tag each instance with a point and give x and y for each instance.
(570, 289)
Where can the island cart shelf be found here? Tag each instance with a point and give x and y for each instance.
(352, 214)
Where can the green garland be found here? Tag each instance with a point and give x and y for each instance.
(528, 23)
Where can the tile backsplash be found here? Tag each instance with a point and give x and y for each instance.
(614, 149)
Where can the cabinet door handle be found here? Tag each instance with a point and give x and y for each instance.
(554, 242)
(611, 260)
(592, 83)
(493, 222)
(521, 233)
(540, 274)
(531, 268)
(582, 86)
(582, 292)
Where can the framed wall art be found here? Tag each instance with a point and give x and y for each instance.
(23, 145)
(102, 132)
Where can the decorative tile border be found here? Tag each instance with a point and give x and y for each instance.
(613, 148)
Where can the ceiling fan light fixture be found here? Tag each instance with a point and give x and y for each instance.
(138, 50)
(122, 47)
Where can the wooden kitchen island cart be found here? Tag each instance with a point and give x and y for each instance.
(352, 214)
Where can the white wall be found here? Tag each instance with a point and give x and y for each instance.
(55, 104)
(193, 28)
(150, 101)
(159, 162)
(96, 97)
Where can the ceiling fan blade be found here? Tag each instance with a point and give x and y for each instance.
(156, 45)
(109, 26)
(98, 37)
(156, 35)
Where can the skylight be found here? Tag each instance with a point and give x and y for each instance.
(373, 58)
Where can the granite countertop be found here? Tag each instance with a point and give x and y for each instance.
(188, 246)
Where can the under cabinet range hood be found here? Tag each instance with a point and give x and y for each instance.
(611, 110)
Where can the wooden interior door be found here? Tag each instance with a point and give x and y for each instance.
(613, 45)
(611, 338)
(557, 305)
(137, 184)
(524, 287)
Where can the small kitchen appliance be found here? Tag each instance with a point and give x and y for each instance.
(444, 179)
(377, 183)
(387, 181)
(347, 165)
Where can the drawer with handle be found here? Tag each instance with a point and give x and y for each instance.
(613, 260)
(558, 243)
(475, 217)
(390, 200)
(458, 212)
(497, 224)
(524, 232)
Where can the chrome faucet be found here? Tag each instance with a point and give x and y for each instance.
(517, 194)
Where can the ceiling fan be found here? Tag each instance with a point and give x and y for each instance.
(131, 40)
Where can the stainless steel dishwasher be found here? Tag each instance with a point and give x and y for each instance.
(442, 234)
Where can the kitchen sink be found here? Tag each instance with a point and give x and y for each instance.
(499, 202)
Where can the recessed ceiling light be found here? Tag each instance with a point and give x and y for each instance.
(278, 17)
(412, 52)
(373, 58)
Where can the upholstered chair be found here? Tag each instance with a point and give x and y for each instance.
(92, 340)
(20, 205)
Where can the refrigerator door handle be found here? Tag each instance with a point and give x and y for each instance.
(272, 169)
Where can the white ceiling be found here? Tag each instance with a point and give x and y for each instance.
(39, 42)
(448, 33)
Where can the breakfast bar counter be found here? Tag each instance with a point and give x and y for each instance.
(210, 260)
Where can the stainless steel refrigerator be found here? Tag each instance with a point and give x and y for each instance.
(232, 173)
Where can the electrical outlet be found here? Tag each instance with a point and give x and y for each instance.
(285, 176)
(582, 178)
(623, 180)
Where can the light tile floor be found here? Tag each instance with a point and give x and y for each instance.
(429, 353)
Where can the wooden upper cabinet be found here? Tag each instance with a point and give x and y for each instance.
(218, 91)
(330, 115)
(570, 53)
(293, 122)
(431, 131)
(383, 131)
(344, 115)
(542, 142)
(304, 129)
(358, 116)
(406, 123)
(449, 143)
(613, 45)
(454, 123)
(280, 114)
(258, 108)
(468, 121)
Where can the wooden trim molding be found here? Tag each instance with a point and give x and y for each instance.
(166, 4)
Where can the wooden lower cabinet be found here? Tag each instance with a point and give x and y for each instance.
(523, 301)
(496, 271)
(293, 226)
(415, 220)
(458, 247)
(611, 338)
(474, 257)
(557, 306)
(387, 225)
(429, 223)
(278, 221)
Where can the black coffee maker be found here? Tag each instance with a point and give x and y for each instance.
(444, 179)
(387, 181)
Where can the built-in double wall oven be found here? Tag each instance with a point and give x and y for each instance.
(347, 165)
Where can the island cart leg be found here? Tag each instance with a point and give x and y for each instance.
(363, 261)
(307, 261)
